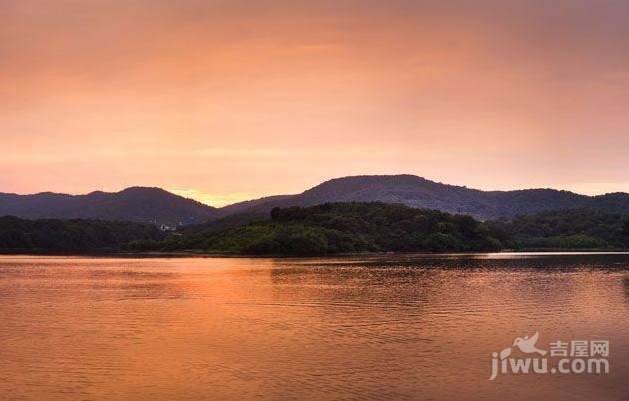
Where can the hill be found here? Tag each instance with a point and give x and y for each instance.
(140, 204)
(378, 227)
(136, 204)
(565, 229)
(341, 228)
(329, 229)
(418, 192)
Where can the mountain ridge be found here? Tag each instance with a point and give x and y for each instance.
(419, 192)
(156, 205)
(135, 204)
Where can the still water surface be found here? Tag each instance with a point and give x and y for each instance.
(377, 328)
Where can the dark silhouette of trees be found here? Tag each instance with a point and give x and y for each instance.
(71, 235)
(330, 228)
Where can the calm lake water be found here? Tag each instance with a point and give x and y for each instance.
(377, 328)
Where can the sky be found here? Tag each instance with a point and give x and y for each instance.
(224, 101)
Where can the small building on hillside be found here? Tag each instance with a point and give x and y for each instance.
(165, 228)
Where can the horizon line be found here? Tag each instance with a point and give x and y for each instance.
(235, 198)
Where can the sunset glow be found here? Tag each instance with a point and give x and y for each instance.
(227, 100)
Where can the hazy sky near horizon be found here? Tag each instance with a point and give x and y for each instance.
(229, 100)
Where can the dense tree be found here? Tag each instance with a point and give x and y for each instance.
(568, 229)
(329, 229)
(71, 235)
(346, 227)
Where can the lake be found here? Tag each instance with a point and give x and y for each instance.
(386, 327)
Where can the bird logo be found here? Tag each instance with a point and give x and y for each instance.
(527, 344)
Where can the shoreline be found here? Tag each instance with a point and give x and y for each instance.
(193, 254)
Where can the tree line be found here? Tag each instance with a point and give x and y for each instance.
(77, 235)
(331, 228)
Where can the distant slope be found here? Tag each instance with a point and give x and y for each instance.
(419, 192)
(255, 205)
(140, 204)
(136, 204)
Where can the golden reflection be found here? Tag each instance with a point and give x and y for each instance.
(316, 329)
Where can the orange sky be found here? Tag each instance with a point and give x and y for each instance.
(224, 101)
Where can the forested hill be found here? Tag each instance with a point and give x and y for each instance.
(329, 229)
(341, 228)
(138, 204)
(379, 227)
(155, 205)
(567, 229)
(422, 193)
